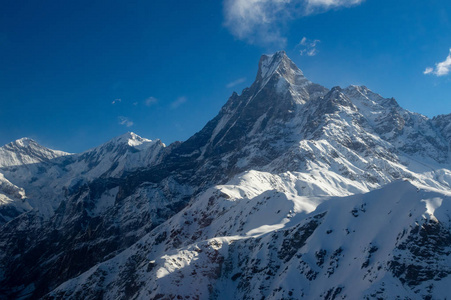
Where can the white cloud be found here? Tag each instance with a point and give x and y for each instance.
(261, 21)
(235, 82)
(442, 68)
(253, 20)
(125, 121)
(312, 52)
(116, 101)
(328, 4)
(303, 42)
(150, 101)
(308, 47)
(178, 102)
(428, 71)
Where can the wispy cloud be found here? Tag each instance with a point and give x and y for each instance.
(442, 68)
(115, 101)
(150, 101)
(178, 102)
(308, 47)
(252, 20)
(125, 121)
(235, 82)
(314, 6)
(262, 21)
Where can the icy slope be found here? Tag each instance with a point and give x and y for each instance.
(392, 242)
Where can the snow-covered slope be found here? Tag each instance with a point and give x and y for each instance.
(390, 243)
(53, 202)
(27, 160)
(288, 191)
(45, 176)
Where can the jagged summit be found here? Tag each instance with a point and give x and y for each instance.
(279, 72)
(277, 63)
(255, 116)
(282, 106)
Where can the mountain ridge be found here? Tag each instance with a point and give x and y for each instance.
(134, 218)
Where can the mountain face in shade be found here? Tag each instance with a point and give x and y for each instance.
(292, 191)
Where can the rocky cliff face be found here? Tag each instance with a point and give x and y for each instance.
(286, 193)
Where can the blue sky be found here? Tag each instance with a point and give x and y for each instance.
(74, 74)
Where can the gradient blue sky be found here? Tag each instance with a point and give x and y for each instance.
(74, 74)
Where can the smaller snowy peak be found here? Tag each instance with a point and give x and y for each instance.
(27, 143)
(362, 92)
(123, 142)
(364, 95)
(131, 139)
(26, 151)
(123, 153)
(24, 142)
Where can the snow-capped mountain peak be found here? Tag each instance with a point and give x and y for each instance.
(280, 70)
(131, 139)
(24, 142)
(277, 63)
(122, 153)
(280, 74)
(26, 151)
(364, 95)
(124, 144)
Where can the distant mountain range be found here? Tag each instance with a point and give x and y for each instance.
(293, 191)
